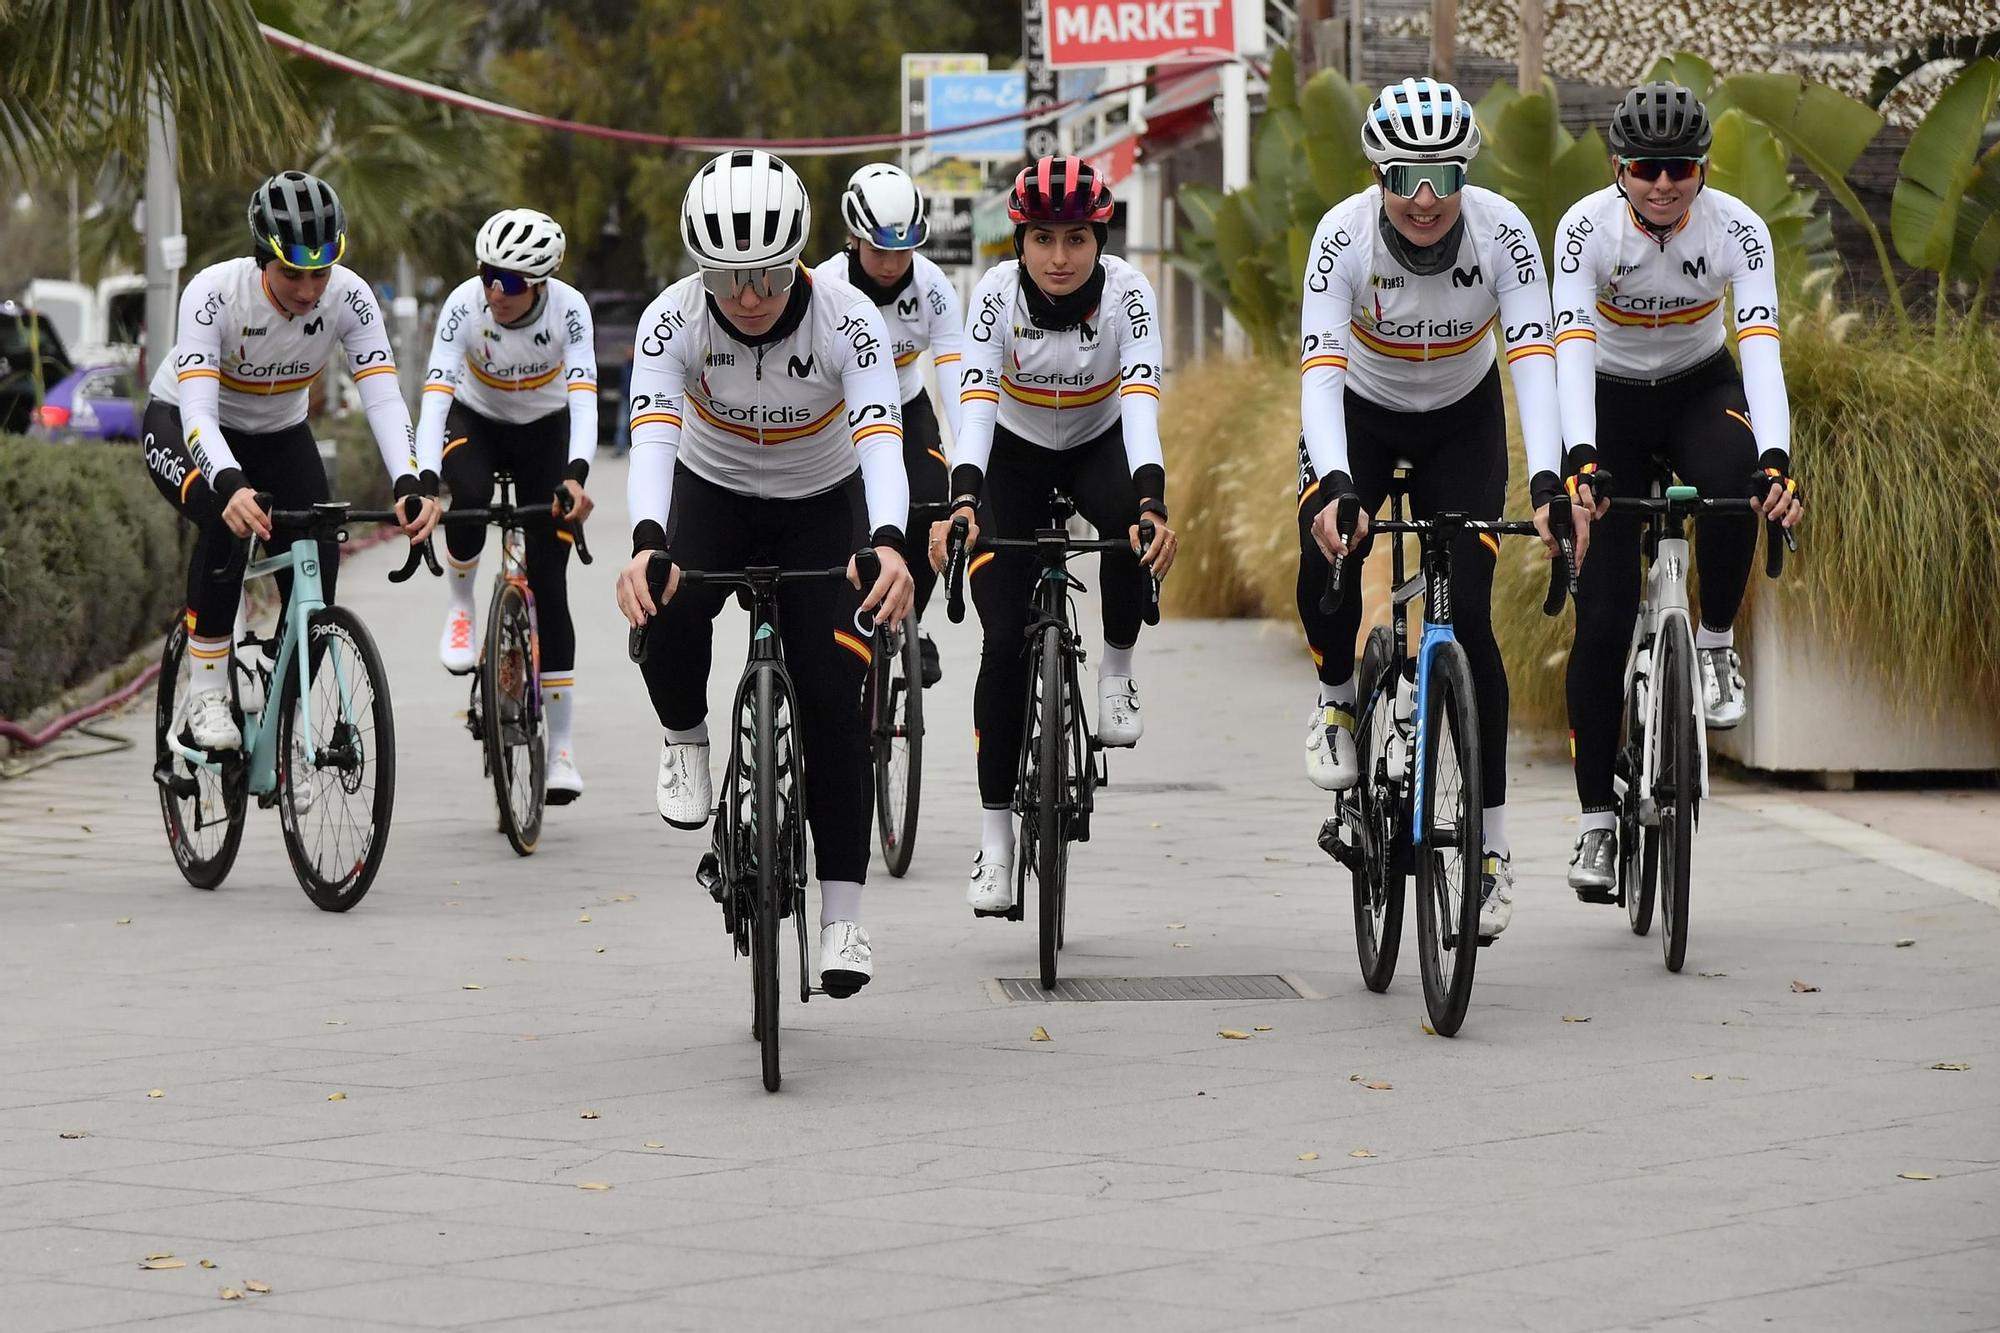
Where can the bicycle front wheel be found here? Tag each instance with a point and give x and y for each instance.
(515, 755)
(1051, 735)
(1638, 858)
(896, 720)
(1448, 862)
(203, 809)
(1373, 808)
(1675, 786)
(766, 818)
(334, 803)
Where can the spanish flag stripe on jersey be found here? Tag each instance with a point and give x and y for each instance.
(1435, 351)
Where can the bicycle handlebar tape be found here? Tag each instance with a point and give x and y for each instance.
(1774, 533)
(1562, 572)
(567, 503)
(1146, 534)
(954, 571)
(419, 553)
(868, 566)
(657, 570)
(1346, 514)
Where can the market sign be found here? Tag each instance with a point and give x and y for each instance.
(1139, 32)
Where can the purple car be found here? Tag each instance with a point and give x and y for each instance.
(92, 403)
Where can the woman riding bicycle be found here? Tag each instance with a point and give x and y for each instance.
(886, 222)
(228, 413)
(513, 387)
(766, 429)
(1061, 390)
(1646, 380)
(1405, 284)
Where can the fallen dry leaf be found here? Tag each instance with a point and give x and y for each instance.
(1354, 1078)
(1949, 1066)
(594, 1185)
(1576, 1018)
(1261, 1027)
(208, 1263)
(161, 1263)
(1425, 1024)
(1915, 1175)
(1276, 860)
(1904, 943)
(1039, 1034)
(336, 1022)
(600, 948)
(472, 985)
(1361, 1152)
(162, 1255)
(74, 1134)
(157, 1092)
(583, 920)
(517, 958)
(124, 920)
(1704, 1078)
(84, 827)
(623, 898)
(1176, 925)
(1179, 945)
(1379, 1085)
(588, 1115)
(1711, 974)
(1308, 1157)
(1803, 987)
(231, 1294)
(261, 1288)
(1231, 1034)
(651, 1144)
(336, 1096)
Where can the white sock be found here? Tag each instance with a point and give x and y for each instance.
(458, 582)
(839, 900)
(558, 703)
(996, 835)
(208, 665)
(1704, 637)
(1337, 696)
(695, 735)
(1596, 819)
(1115, 662)
(1494, 817)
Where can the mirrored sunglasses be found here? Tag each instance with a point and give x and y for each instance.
(726, 283)
(509, 282)
(309, 256)
(1652, 168)
(1404, 179)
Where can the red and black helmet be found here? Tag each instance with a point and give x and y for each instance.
(1059, 189)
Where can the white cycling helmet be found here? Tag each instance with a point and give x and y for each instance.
(522, 241)
(745, 209)
(1419, 120)
(884, 207)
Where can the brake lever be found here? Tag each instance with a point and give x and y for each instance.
(1346, 515)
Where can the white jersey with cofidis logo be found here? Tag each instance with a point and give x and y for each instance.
(516, 373)
(1643, 308)
(1063, 388)
(1416, 342)
(242, 364)
(923, 317)
(790, 418)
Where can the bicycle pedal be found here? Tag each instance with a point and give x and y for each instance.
(1593, 894)
(1486, 941)
(555, 797)
(1009, 913)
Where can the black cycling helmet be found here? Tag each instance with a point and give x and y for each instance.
(1660, 120)
(297, 220)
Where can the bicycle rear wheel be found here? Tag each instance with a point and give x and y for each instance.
(1051, 762)
(202, 808)
(1448, 862)
(334, 804)
(896, 718)
(1674, 789)
(512, 715)
(1638, 859)
(1378, 877)
(770, 881)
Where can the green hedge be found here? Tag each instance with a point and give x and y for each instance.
(92, 564)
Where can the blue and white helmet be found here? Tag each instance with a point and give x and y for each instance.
(1419, 120)
(884, 207)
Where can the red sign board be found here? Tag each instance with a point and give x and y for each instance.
(1140, 32)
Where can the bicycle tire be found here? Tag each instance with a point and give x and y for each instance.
(1638, 863)
(896, 715)
(203, 857)
(1379, 882)
(1051, 839)
(515, 754)
(1674, 791)
(1447, 890)
(764, 917)
(346, 874)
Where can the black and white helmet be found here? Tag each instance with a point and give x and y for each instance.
(1660, 120)
(297, 220)
(1419, 120)
(884, 207)
(745, 209)
(522, 241)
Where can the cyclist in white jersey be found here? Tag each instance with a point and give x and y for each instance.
(228, 413)
(513, 386)
(766, 429)
(1406, 284)
(886, 222)
(1060, 389)
(1648, 389)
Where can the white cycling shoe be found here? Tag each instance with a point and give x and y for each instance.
(685, 794)
(457, 647)
(1119, 723)
(1496, 899)
(846, 959)
(211, 724)
(990, 892)
(1330, 758)
(1722, 693)
(563, 784)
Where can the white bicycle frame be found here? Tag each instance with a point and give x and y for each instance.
(1665, 603)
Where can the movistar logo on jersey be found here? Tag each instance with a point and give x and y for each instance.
(800, 368)
(315, 324)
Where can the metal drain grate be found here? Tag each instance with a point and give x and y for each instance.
(1151, 988)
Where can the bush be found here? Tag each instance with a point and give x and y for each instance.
(92, 564)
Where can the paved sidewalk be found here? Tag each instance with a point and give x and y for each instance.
(1606, 1145)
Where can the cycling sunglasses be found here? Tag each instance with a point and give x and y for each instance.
(1650, 169)
(510, 282)
(726, 283)
(309, 257)
(1404, 179)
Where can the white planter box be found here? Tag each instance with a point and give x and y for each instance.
(1816, 707)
